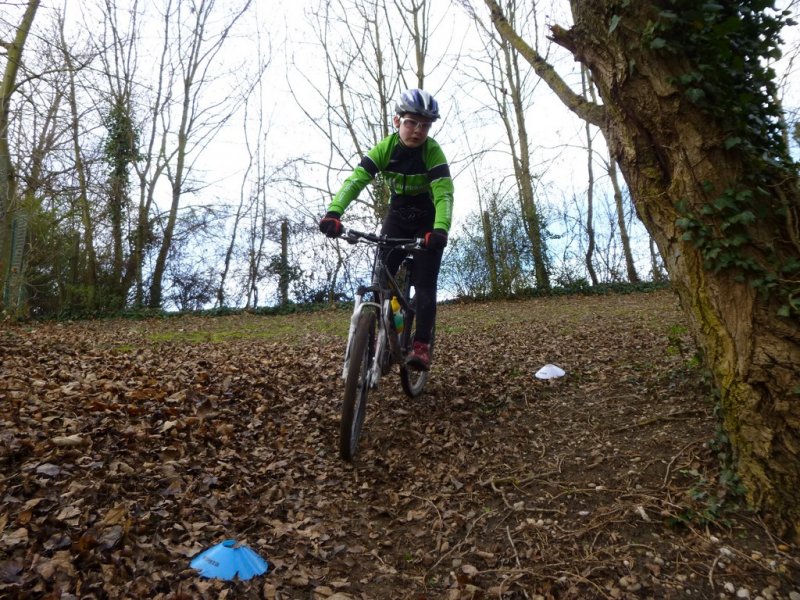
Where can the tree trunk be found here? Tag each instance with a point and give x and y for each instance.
(633, 276)
(522, 170)
(679, 161)
(8, 181)
(491, 263)
(590, 237)
(89, 276)
(226, 264)
(654, 266)
(198, 124)
(121, 150)
(141, 235)
(284, 276)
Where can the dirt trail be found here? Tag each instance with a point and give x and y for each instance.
(123, 457)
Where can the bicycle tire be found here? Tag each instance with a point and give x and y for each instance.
(413, 381)
(356, 387)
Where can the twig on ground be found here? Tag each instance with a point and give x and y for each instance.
(436, 508)
(584, 579)
(513, 547)
(776, 546)
(674, 458)
(502, 495)
(459, 544)
(668, 417)
(516, 555)
(524, 481)
(711, 571)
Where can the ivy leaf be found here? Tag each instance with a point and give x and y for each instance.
(732, 141)
(712, 6)
(737, 241)
(658, 43)
(792, 265)
(614, 22)
(723, 202)
(695, 94)
(688, 78)
(745, 217)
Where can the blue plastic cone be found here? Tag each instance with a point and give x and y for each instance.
(227, 560)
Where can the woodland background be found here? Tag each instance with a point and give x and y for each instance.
(179, 157)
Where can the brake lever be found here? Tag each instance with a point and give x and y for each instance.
(349, 236)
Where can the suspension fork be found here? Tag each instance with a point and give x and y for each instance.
(359, 306)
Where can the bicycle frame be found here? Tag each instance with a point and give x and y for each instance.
(384, 286)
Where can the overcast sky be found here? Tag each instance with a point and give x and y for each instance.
(556, 135)
(551, 126)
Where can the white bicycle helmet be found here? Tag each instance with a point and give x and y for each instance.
(418, 102)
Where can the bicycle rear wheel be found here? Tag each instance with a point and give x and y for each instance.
(412, 381)
(356, 386)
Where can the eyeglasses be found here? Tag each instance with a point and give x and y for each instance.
(413, 124)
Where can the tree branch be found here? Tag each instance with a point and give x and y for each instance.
(588, 111)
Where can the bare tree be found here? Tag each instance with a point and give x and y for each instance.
(87, 222)
(247, 198)
(655, 262)
(117, 50)
(254, 228)
(630, 266)
(509, 85)
(587, 90)
(357, 92)
(152, 154)
(197, 49)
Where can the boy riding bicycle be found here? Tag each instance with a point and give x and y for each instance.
(421, 205)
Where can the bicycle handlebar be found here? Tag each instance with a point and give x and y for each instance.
(353, 236)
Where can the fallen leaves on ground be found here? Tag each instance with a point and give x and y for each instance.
(123, 457)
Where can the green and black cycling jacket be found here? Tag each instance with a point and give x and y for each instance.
(416, 177)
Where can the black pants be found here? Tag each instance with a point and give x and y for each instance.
(425, 275)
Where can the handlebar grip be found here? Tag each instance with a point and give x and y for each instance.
(352, 236)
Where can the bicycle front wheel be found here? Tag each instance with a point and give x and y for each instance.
(356, 386)
(412, 381)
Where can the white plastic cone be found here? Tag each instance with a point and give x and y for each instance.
(549, 372)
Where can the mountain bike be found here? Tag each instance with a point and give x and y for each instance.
(381, 333)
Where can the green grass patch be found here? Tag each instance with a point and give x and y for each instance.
(288, 328)
(124, 349)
